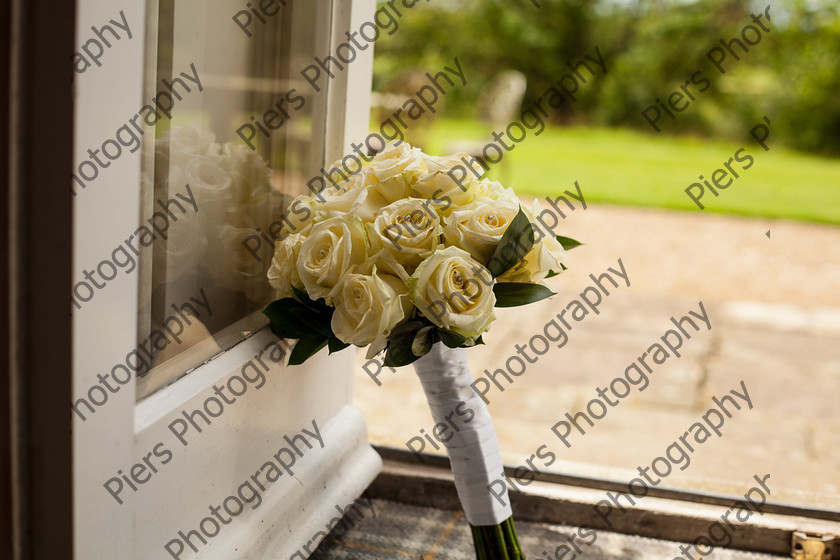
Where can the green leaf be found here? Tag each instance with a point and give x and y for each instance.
(319, 305)
(314, 317)
(568, 243)
(423, 341)
(300, 294)
(335, 344)
(283, 321)
(277, 306)
(552, 274)
(278, 332)
(399, 355)
(513, 246)
(305, 349)
(514, 294)
(404, 334)
(451, 338)
(311, 323)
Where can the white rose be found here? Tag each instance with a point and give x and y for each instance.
(454, 292)
(333, 248)
(447, 163)
(408, 229)
(440, 181)
(282, 274)
(373, 198)
(367, 307)
(182, 143)
(440, 187)
(397, 160)
(519, 273)
(387, 179)
(336, 188)
(183, 249)
(332, 201)
(265, 211)
(211, 182)
(547, 254)
(249, 173)
(210, 175)
(478, 227)
(354, 182)
(344, 176)
(233, 265)
(299, 217)
(485, 188)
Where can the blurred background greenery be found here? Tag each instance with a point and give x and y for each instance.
(650, 47)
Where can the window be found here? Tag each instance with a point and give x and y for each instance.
(218, 175)
(190, 76)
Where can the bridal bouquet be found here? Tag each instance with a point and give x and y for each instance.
(410, 256)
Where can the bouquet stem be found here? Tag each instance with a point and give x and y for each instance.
(473, 450)
(497, 542)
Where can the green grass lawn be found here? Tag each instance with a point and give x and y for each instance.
(634, 169)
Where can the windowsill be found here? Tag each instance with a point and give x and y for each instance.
(199, 354)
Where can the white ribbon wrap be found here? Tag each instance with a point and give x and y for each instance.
(473, 450)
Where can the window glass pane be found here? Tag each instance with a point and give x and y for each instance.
(233, 144)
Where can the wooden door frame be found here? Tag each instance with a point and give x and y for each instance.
(37, 230)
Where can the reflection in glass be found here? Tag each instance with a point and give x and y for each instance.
(213, 194)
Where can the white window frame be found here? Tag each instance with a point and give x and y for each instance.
(44, 481)
(121, 432)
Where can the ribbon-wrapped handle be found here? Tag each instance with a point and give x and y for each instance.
(471, 445)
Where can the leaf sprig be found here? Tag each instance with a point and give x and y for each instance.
(306, 320)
